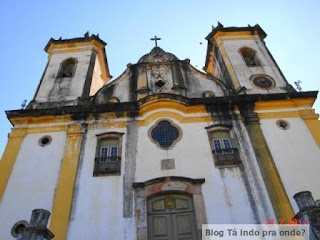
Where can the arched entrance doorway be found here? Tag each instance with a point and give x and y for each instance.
(171, 217)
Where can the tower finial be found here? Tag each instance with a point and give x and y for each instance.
(23, 104)
(220, 25)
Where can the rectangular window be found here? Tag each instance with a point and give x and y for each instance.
(217, 146)
(108, 159)
(104, 152)
(224, 148)
(114, 154)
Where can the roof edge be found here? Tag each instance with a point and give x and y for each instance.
(221, 28)
(86, 38)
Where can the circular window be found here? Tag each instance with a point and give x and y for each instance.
(45, 140)
(165, 134)
(263, 81)
(282, 124)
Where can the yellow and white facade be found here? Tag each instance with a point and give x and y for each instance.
(232, 145)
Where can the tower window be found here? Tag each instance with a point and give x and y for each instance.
(250, 57)
(224, 148)
(67, 68)
(108, 155)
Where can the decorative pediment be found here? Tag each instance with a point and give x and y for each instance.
(157, 55)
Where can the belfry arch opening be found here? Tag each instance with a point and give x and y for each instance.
(250, 57)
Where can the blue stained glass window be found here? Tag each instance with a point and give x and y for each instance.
(165, 134)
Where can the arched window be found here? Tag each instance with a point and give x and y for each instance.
(67, 68)
(250, 57)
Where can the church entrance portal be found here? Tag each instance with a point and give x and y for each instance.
(171, 217)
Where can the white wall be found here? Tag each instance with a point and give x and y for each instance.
(244, 72)
(224, 190)
(33, 180)
(98, 202)
(296, 155)
(78, 80)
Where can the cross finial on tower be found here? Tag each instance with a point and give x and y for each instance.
(155, 40)
(23, 103)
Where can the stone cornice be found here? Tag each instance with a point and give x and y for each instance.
(132, 108)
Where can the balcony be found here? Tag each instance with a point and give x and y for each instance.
(227, 156)
(107, 165)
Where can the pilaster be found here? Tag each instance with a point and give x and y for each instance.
(270, 174)
(9, 156)
(65, 187)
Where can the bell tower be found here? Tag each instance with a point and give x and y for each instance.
(76, 69)
(239, 56)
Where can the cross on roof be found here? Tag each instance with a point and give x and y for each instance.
(23, 103)
(155, 40)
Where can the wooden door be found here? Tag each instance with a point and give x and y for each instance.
(171, 217)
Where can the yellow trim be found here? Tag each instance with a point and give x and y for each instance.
(71, 50)
(311, 119)
(163, 108)
(277, 193)
(228, 63)
(48, 119)
(103, 63)
(284, 104)
(175, 116)
(279, 108)
(9, 157)
(63, 45)
(65, 188)
(107, 125)
(46, 129)
(237, 35)
(271, 115)
(169, 104)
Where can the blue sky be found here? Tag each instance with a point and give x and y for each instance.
(26, 27)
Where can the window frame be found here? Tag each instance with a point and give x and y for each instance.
(254, 58)
(63, 65)
(156, 142)
(116, 163)
(225, 156)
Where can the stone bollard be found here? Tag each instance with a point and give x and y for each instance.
(36, 229)
(309, 212)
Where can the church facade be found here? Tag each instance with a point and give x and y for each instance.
(164, 147)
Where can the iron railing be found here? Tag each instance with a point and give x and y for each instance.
(226, 156)
(107, 165)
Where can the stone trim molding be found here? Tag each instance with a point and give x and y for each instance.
(168, 179)
(165, 185)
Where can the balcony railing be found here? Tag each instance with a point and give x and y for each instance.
(107, 165)
(226, 156)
